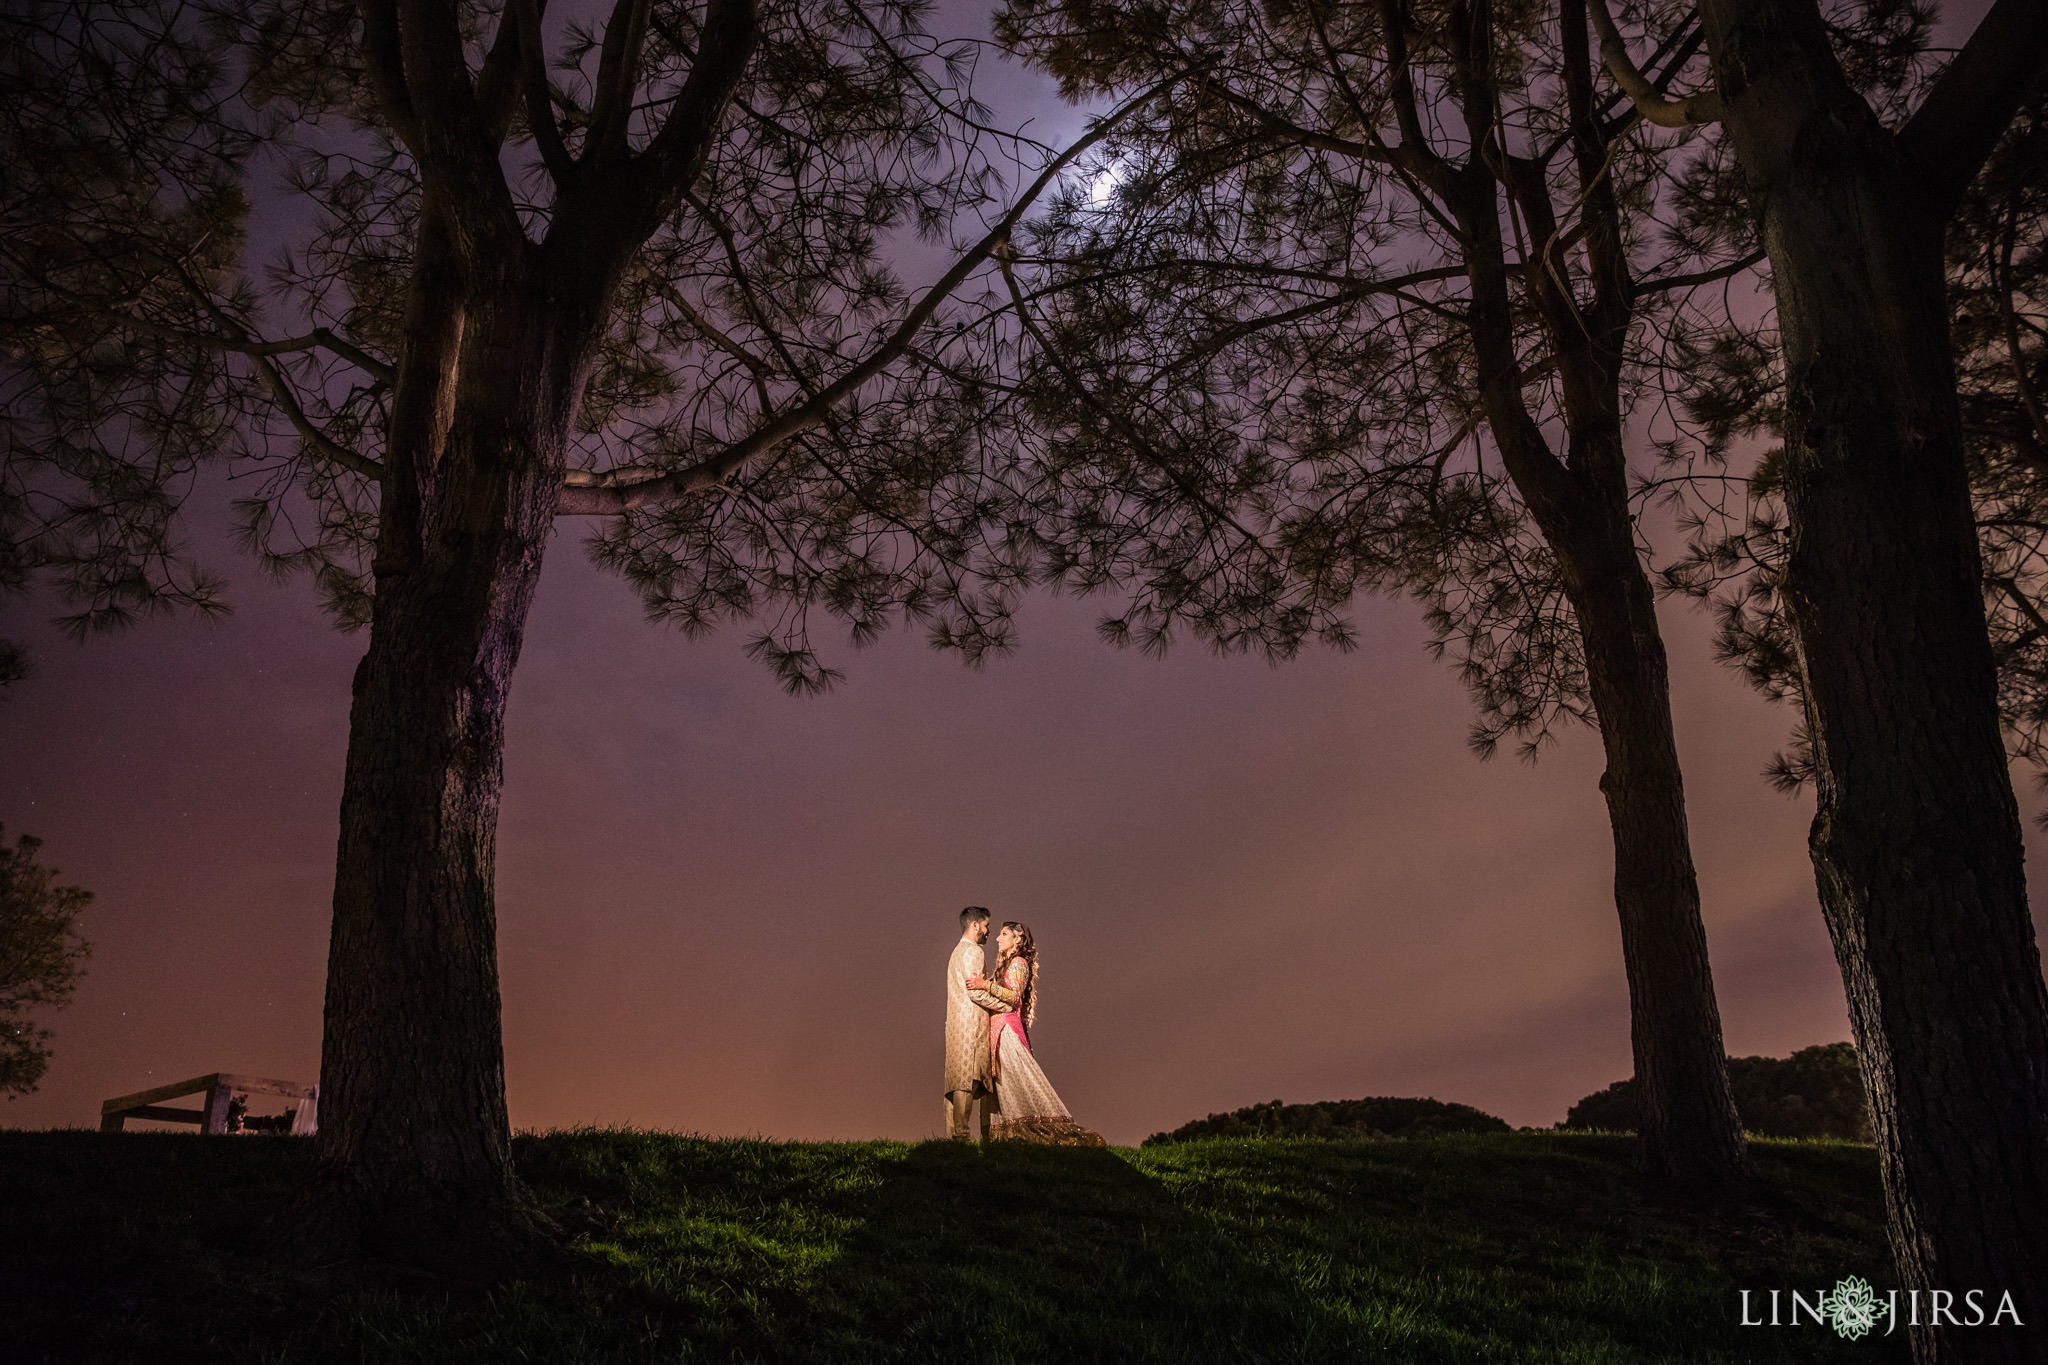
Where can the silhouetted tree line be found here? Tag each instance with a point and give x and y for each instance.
(1816, 1092)
(1335, 1119)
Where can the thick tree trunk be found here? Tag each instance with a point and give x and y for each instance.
(1916, 843)
(414, 1146)
(1692, 1140)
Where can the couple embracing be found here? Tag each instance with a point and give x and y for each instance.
(988, 1041)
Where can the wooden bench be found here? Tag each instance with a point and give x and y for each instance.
(221, 1090)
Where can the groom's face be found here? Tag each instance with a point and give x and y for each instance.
(980, 930)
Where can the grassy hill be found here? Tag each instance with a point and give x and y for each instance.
(1496, 1247)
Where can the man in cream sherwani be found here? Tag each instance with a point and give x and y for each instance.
(967, 1012)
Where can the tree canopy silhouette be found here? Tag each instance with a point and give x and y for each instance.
(1368, 304)
(42, 956)
(1372, 235)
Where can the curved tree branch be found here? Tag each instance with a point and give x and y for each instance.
(618, 74)
(280, 388)
(1294, 132)
(1702, 107)
(453, 138)
(326, 446)
(540, 112)
(669, 163)
(387, 69)
(1691, 278)
(318, 338)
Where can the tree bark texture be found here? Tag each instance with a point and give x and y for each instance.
(414, 1130)
(500, 334)
(1916, 842)
(1691, 1134)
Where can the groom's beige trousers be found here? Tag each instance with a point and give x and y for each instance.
(960, 1103)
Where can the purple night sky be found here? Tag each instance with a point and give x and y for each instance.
(727, 911)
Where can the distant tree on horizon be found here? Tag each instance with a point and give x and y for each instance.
(1382, 1116)
(42, 956)
(1815, 1092)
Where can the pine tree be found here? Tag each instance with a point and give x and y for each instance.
(42, 956)
(1364, 305)
(1883, 590)
(428, 277)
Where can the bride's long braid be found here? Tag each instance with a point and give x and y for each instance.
(1027, 948)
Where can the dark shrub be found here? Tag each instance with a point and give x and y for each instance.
(1385, 1117)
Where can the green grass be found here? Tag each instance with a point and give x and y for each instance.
(1512, 1247)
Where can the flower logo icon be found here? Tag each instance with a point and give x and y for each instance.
(1852, 1309)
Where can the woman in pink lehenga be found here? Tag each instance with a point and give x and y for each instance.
(1030, 1108)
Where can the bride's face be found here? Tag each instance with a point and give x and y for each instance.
(1006, 940)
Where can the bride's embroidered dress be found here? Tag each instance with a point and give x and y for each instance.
(1030, 1108)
